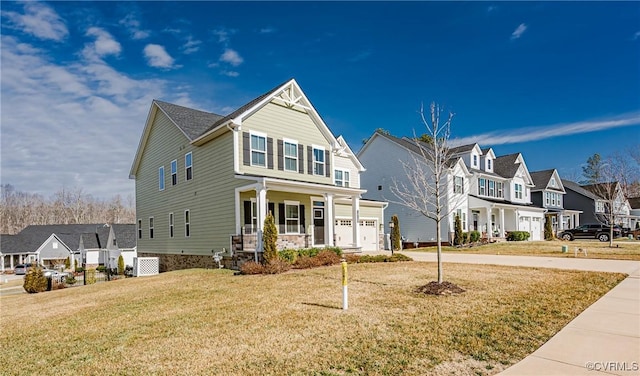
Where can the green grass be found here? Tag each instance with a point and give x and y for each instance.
(622, 249)
(202, 322)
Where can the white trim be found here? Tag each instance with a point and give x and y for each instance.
(187, 223)
(343, 170)
(251, 149)
(151, 227)
(186, 176)
(171, 171)
(161, 187)
(172, 227)
(286, 141)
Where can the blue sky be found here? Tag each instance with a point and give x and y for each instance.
(557, 81)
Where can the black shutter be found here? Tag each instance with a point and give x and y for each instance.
(246, 149)
(271, 209)
(247, 213)
(300, 159)
(309, 160)
(270, 153)
(280, 155)
(302, 222)
(281, 219)
(327, 163)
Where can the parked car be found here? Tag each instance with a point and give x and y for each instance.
(54, 274)
(22, 269)
(591, 231)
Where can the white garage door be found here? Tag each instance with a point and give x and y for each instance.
(535, 229)
(368, 234)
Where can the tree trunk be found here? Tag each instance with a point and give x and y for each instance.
(439, 247)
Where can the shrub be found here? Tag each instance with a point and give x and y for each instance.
(79, 269)
(548, 231)
(252, 267)
(474, 236)
(90, 277)
(120, 265)
(396, 257)
(67, 263)
(336, 250)
(269, 239)
(306, 262)
(289, 255)
(457, 238)
(327, 257)
(518, 235)
(101, 268)
(35, 281)
(309, 252)
(276, 266)
(75, 264)
(351, 258)
(70, 279)
(396, 238)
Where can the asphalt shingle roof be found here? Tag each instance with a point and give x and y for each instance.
(506, 165)
(541, 179)
(634, 202)
(192, 122)
(568, 184)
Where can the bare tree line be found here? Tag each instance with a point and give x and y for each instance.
(67, 206)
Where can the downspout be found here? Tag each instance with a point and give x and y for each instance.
(236, 142)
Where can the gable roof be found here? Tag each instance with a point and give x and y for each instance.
(9, 244)
(542, 178)
(463, 148)
(191, 122)
(506, 166)
(125, 235)
(634, 202)
(568, 184)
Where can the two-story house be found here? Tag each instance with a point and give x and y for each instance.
(490, 194)
(548, 193)
(600, 203)
(205, 182)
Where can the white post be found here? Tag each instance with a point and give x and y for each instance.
(489, 229)
(262, 214)
(355, 216)
(329, 219)
(501, 222)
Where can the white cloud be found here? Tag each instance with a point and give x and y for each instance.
(360, 56)
(230, 73)
(72, 124)
(158, 57)
(104, 44)
(223, 34)
(232, 57)
(517, 33)
(191, 46)
(131, 23)
(267, 30)
(636, 35)
(39, 20)
(545, 132)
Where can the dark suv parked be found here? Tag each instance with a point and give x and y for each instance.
(591, 231)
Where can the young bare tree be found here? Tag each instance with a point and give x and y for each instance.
(426, 187)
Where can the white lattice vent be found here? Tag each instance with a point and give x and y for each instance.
(143, 266)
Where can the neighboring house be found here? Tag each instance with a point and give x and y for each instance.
(50, 245)
(634, 203)
(490, 194)
(548, 193)
(596, 201)
(205, 182)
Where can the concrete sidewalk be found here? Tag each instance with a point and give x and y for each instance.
(603, 340)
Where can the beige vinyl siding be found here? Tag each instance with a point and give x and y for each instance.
(368, 211)
(208, 196)
(345, 163)
(280, 122)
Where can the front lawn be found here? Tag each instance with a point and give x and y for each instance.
(623, 249)
(203, 322)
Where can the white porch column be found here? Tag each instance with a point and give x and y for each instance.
(2, 265)
(328, 198)
(501, 222)
(261, 203)
(355, 220)
(21, 260)
(489, 230)
(11, 261)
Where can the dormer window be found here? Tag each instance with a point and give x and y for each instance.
(475, 161)
(552, 182)
(488, 164)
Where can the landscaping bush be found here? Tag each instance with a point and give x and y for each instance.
(396, 238)
(457, 238)
(289, 255)
(101, 268)
(269, 239)
(396, 257)
(518, 236)
(252, 267)
(67, 263)
(309, 252)
(327, 257)
(35, 281)
(336, 250)
(120, 265)
(79, 269)
(306, 262)
(351, 258)
(70, 279)
(548, 230)
(474, 236)
(276, 266)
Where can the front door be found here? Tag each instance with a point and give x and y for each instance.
(318, 223)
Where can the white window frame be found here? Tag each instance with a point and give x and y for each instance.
(286, 157)
(188, 168)
(499, 189)
(547, 198)
(345, 178)
(491, 188)
(174, 172)
(316, 163)
(458, 184)
(482, 184)
(253, 134)
(474, 161)
(139, 228)
(488, 164)
(171, 227)
(552, 182)
(161, 178)
(187, 223)
(151, 227)
(287, 219)
(518, 191)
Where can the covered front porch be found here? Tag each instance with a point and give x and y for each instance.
(304, 214)
(495, 219)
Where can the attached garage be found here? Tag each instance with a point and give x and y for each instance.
(368, 233)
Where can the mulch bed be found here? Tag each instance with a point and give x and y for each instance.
(435, 288)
